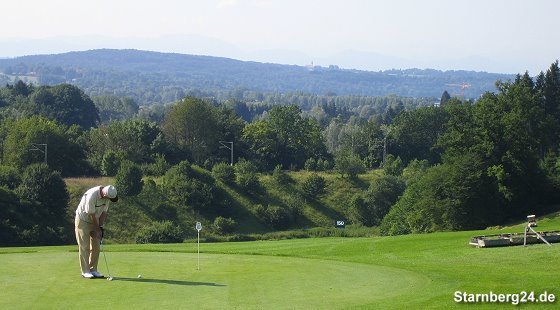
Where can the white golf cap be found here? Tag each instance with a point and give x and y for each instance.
(111, 192)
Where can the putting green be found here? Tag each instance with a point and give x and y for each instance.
(171, 280)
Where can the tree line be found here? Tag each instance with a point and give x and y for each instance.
(462, 165)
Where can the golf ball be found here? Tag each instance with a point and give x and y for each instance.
(110, 279)
(139, 276)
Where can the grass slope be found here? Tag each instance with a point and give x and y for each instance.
(404, 272)
(130, 214)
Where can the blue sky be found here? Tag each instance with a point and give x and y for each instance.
(508, 36)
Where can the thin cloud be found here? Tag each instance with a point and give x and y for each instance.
(226, 4)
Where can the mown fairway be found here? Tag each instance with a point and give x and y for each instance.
(412, 272)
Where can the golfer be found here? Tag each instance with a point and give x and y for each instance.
(90, 217)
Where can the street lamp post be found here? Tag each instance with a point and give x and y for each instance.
(223, 143)
(35, 147)
(386, 131)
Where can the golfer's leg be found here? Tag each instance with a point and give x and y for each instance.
(94, 254)
(82, 237)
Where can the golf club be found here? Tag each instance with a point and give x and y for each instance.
(110, 278)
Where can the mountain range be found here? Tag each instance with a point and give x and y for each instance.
(155, 77)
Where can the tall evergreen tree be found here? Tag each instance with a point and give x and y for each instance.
(444, 98)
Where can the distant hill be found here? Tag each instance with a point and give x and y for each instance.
(152, 77)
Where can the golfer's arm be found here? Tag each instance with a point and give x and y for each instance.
(102, 219)
(94, 220)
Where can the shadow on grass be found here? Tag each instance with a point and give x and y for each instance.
(162, 281)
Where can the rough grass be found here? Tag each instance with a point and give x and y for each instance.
(88, 182)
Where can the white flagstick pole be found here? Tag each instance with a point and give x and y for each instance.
(198, 228)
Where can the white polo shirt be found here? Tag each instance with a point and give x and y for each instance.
(91, 203)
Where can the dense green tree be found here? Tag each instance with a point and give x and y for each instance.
(22, 89)
(285, 133)
(457, 195)
(48, 199)
(444, 98)
(490, 171)
(192, 125)
(113, 108)
(507, 141)
(13, 218)
(231, 130)
(333, 135)
(129, 179)
(547, 87)
(414, 134)
(299, 138)
(65, 104)
(155, 112)
(24, 141)
(40, 184)
(415, 170)
(262, 142)
(135, 140)
(392, 111)
(369, 143)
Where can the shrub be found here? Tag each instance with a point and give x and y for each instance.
(295, 204)
(310, 164)
(45, 187)
(224, 225)
(280, 177)
(159, 232)
(314, 185)
(183, 168)
(246, 176)
(129, 179)
(260, 212)
(190, 192)
(181, 187)
(348, 164)
(158, 168)
(224, 173)
(9, 177)
(324, 165)
(277, 217)
(393, 166)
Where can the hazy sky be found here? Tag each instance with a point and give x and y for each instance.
(507, 36)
